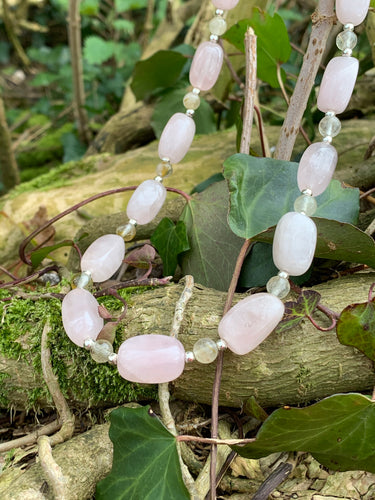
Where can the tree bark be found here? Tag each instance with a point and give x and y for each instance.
(8, 165)
(296, 367)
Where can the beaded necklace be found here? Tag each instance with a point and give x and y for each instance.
(161, 358)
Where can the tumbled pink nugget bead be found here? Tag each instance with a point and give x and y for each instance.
(225, 4)
(352, 11)
(316, 167)
(176, 138)
(337, 84)
(250, 321)
(206, 65)
(80, 316)
(151, 359)
(146, 201)
(294, 243)
(103, 257)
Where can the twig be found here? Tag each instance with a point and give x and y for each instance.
(323, 19)
(52, 471)
(250, 89)
(8, 273)
(370, 149)
(29, 279)
(31, 438)
(277, 477)
(228, 442)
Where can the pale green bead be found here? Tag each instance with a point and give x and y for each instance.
(217, 25)
(278, 286)
(346, 40)
(127, 232)
(101, 350)
(205, 351)
(164, 169)
(330, 126)
(306, 204)
(191, 101)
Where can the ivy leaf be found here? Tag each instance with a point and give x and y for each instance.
(252, 407)
(356, 327)
(213, 246)
(338, 431)
(161, 70)
(141, 257)
(37, 256)
(295, 311)
(268, 28)
(96, 50)
(170, 240)
(145, 459)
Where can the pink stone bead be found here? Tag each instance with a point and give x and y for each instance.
(176, 138)
(80, 316)
(294, 243)
(146, 201)
(103, 257)
(338, 84)
(250, 321)
(151, 359)
(316, 167)
(352, 11)
(225, 4)
(206, 65)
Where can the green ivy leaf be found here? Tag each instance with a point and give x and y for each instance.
(356, 327)
(38, 255)
(339, 432)
(295, 311)
(252, 407)
(89, 7)
(258, 266)
(213, 246)
(170, 103)
(170, 241)
(268, 28)
(96, 50)
(145, 459)
(161, 70)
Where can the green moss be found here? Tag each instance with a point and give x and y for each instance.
(80, 378)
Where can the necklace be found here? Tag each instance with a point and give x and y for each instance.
(161, 358)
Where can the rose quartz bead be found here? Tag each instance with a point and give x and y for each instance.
(250, 321)
(338, 84)
(146, 201)
(316, 167)
(80, 316)
(177, 136)
(103, 257)
(206, 65)
(352, 11)
(225, 4)
(294, 243)
(151, 359)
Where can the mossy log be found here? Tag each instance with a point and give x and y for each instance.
(296, 367)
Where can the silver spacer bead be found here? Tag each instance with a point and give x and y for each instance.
(190, 112)
(112, 359)
(307, 192)
(88, 344)
(283, 274)
(347, 53)
(133, 222)
(327, 139)
(219, 12)
(221, 345)
(189, 357)
(349, 27)
(330, 113)
(214, 38)
(165, 159)
(158, 178)
(195, 91)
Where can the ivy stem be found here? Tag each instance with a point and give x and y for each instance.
(30, 278)
(370, 297)
(228, 442)
(8, 273)
(321, 328)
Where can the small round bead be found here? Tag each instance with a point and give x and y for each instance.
(205, 351)
(327, 139)
(217, 26)
(214, 38)
(191, 100)
(83, 280)
(190, 112)
(189, 357)
(219, 12)
(283, 274)
(128, 231)
(112, 359)
(196, 91)
(88, 344)
(306, 204)
(221, 345)
(346, 40)
(278, 286)
(330, 126)
(347, 53)
(164, 169)
(158, 178)
(308, 192)
(349, 26)
(101, 350)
